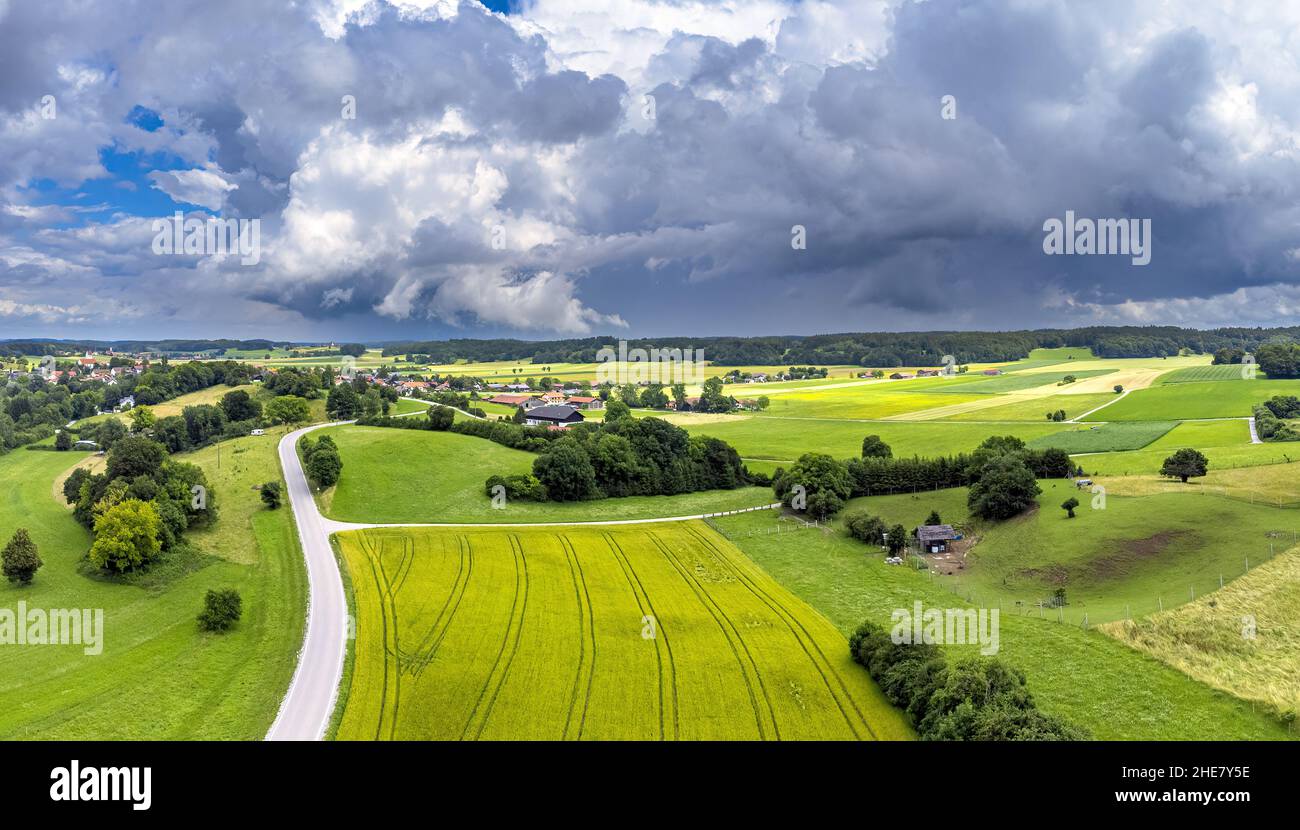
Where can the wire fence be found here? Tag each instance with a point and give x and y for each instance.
(1091, 610)
(786, 524)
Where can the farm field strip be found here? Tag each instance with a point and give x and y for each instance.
(540, 635)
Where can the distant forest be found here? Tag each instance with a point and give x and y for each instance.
(883, 349)
(878, 349)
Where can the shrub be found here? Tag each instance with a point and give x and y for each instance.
(271, 494)
(864, 527)
(221, 610)
(20, 558)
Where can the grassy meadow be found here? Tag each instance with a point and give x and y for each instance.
(398, 475)
(1243, 639)
(158, 676)
(1116, 692)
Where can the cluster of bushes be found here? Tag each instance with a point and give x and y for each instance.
(1008, 465)
(621, 457)
(1271, 416)
(524, 486)
(978, 699)
(358, 398)
(321, 460)
(864, 527)
(140, 506)
(1279, 360)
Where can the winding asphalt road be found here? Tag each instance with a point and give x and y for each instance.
(309, 703)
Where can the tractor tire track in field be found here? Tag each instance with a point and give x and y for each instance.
(586, 654)
(381, 588)
(428, 646)
(732, 635)
(820, 662)
(643, 602)
(509, 646)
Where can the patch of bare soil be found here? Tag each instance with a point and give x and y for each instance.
(1124, 555)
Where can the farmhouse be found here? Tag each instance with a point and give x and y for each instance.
(510, 400)
(560, 416)
(584, 402)
(927, 373)
(899, 376)
(935, 538)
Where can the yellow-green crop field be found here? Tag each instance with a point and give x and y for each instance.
(646, 632)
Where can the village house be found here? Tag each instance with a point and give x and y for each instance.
(558, 416)
(585, 402)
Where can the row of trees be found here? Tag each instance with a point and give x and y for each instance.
(1001, 473)
(977, 699)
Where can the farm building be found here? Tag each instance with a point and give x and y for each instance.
(899, 376)
(561, 416)
(935, 538)
(992, 372)
(584, 402)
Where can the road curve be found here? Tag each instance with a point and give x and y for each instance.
(308, 705)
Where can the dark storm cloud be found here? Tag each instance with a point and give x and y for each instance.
(766, 116)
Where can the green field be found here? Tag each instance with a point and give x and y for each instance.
(546, 635)
(785, 439)
(1200, 434)
(158, 676)
(1147, 461)
(1185, 401)
(1241, 639)
(1105, 437)
(402, 476)
(1096, 682)
(876, 400)
(1018, 381)
(1197, 374)
(1036, 408)
(1132, 557)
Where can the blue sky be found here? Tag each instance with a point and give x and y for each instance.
(504, 175)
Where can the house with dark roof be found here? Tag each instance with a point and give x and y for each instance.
(935, 538)
(545, 416)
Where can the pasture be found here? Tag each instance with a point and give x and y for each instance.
(785, 439)
(1024, 407)
(158, 677)
(1198, 374)
(1130, 557)
(1107, 437)
(406, 476)
(661, 632)
(1187, 401)
(1241, 639)
(1096, 682)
